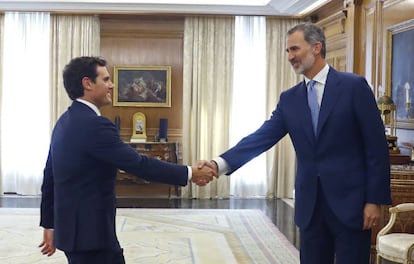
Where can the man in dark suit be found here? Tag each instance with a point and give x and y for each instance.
(343, 173)
(78, 190)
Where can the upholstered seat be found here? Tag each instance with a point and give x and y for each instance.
(397, 247)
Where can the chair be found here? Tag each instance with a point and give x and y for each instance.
(396, 247)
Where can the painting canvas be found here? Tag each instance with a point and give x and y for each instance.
(401, 67)
(145, 86)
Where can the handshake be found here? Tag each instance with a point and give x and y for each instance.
(203, 172)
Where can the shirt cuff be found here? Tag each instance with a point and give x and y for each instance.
(190, 173)
(222, 165)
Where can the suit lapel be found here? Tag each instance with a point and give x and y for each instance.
(330, 96)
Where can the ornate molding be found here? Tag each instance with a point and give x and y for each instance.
(354, 2)
(390, 3)
(337, 18)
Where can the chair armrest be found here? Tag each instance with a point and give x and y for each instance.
(404, 207)
(389, 225)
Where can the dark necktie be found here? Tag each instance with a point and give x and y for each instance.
(313, 104)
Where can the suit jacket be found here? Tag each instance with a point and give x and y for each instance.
(349, 154)
(78, 190)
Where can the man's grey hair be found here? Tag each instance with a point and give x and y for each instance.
(312, 34)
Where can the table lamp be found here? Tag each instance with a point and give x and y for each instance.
(387, 109)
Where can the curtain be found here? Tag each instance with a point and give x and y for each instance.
(1, 83)
(221, 96)
(207, 88)
(28, 38)
(248, 102)
(281, 160)
(24, 101)
(72, 36)
(261, 73)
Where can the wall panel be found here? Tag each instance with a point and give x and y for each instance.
(146, 40)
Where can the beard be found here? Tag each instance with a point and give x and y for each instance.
(303, 65)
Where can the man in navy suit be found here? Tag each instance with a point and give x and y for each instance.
(343, 173)
(78, 190)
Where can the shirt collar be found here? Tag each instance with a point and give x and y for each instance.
(320, 77)
(92, 106)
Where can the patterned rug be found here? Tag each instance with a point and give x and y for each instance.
(151, 236)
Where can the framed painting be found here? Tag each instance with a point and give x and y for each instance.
(400, 72)
(142, 86)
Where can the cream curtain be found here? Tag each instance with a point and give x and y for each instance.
(29, 40)
(1, 78)
(208, 73)
(248, 110)
(207, 90)
(24, 102)
(281, 160)
(72, 36)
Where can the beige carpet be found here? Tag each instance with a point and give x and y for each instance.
(170, 236)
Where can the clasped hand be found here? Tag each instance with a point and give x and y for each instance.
(204, 172)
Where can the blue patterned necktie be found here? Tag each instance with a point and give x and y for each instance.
(313, 104)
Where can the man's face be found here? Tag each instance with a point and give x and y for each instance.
(300, 53)
(102, 88)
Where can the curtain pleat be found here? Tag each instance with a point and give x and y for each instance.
(68, 36)
(208, 95)
(248, 110)
(281, 160)
(208, 73)
(24, 102)
(72, 36)
(1, 85)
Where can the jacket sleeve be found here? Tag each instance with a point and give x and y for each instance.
(106, 145)
(46, 206)
(375, 145)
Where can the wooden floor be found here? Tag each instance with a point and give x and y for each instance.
(278, 211)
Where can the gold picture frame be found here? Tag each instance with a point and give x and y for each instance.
(400, 66)
(142, 86)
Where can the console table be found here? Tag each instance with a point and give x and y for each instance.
(130, 185)
(402, 191)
